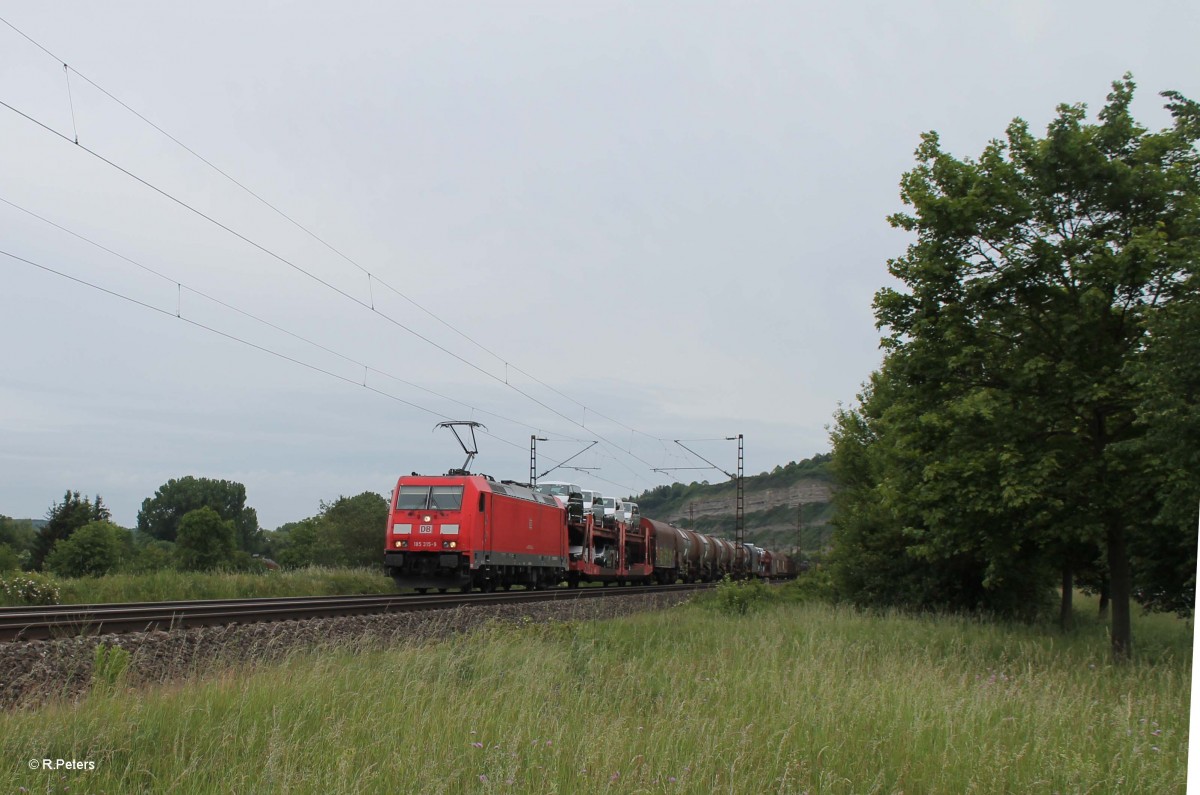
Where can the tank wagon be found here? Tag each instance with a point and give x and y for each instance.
(469, 531)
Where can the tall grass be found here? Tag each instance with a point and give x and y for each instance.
(787, 698)
(170, 585)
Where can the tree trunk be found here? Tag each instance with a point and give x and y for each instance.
(1104, 600)
(1068, 591)
(1121, 583)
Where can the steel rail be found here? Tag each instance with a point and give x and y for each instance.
(38, 623)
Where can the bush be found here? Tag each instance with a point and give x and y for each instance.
(814, 585)
(91, 551)
(149, 556)
(246, 563)
(738, 597)
(8, 559)
(205, 541)
(29, 589)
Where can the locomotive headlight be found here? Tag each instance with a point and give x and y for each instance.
(428, 518)
(399, 544)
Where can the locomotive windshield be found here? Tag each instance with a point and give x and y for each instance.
(412, 498)
(445, 498)
(432, 498)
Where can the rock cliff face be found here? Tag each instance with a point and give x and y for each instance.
(804, 491)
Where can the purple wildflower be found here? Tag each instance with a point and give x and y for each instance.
(483, 779)
(477, 745)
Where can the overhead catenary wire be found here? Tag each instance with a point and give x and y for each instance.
(197, 324)
(180, 286)
(331, 247)
(371, 280)
(250, 344)
(323, 241)
(318, 279)
(325, 284)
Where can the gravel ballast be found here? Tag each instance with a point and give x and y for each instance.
(35, 672)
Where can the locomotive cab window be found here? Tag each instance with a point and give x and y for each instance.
(429, 498)
(412, 498)
(445, 498)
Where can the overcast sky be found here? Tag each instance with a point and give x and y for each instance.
(632, 222)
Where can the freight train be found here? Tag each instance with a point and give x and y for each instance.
(469, 531)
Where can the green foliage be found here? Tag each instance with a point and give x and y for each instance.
(347, 532)
(888, 550)
(165, 585)
(999, 444)
(19, 535)
(161, 515)
(294, 544)
(62, 520)
(813, 585)
(1164, 554)
(350, 530)
(739, 597)
(109, 664)
(204, 541)
(150, 554)
(9, 561)
(96, 548)
(29, 588)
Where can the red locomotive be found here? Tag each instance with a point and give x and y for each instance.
(467, 531)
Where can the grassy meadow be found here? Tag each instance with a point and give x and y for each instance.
(789, 697)
(170, 585)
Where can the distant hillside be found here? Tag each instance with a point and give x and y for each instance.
(771, 505)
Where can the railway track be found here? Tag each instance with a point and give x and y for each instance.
(26, 623)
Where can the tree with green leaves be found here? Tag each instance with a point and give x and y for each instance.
(161, 514)
(1164, 554)
(294, 544)
(350, 530)
(204, 541)
(9, 559)
(1005, 428)
(18, 535)
(62, 520)
(93, 550)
